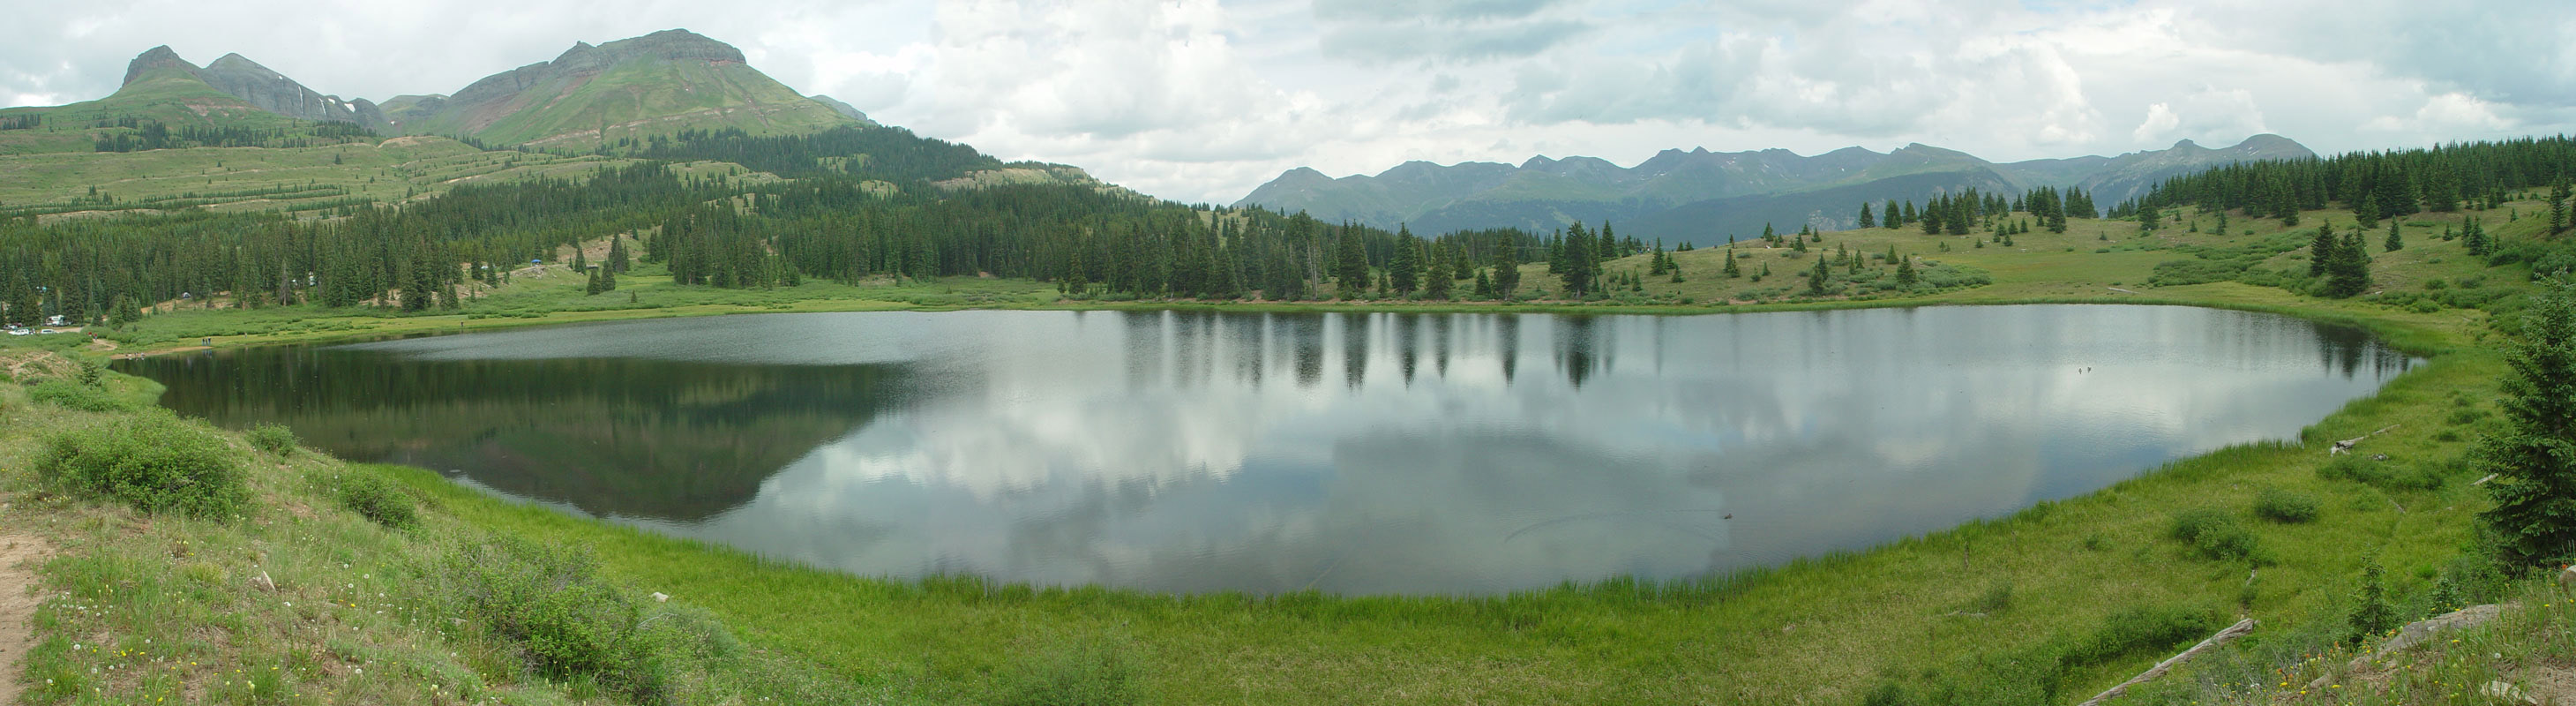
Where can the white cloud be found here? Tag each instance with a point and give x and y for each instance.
(2160, 122)
(1201, 100)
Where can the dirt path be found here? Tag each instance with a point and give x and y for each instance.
(19, 556)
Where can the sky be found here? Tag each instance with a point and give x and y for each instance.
(1203, 100)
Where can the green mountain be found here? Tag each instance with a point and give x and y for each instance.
(167, 102)
(1701, 196)
(631, 89)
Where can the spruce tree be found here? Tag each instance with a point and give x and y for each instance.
(1731, 270)
(1905, 275)
(1866, 221)
(1350, 264)
(2395, 241)
(1816, 278)
(2321, 250)
(2534, 518)
(1894, 219)
(2558, 207)
(1507, 269)
(1404, 268)
(2348, 270)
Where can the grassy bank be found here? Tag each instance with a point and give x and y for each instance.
(2045, 606)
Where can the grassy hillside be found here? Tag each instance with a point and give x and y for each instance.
(301, 180)
(167, 95)
(639, 99)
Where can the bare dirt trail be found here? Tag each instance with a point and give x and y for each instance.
(20, 554)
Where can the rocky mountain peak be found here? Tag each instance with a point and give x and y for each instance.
(159, 57)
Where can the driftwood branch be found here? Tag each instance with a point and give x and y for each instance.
(2232, 632)
(2347, 444)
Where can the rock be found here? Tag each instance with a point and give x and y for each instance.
(2417, 632)
(660, 597)
(2567, 577)
(2508, 693)
(263, 582)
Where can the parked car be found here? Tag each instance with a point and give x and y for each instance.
(47, 331)
(19, 332)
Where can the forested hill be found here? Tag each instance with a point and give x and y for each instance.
(1701, 197)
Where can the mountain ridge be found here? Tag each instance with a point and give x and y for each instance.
(257, 85)
(1546, 192)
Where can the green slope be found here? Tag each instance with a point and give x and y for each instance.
(616, 94)
(169, 95)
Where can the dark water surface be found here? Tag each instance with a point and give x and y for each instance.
(1355, 453)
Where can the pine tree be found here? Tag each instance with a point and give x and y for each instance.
(1731, 270)
(1350, 265)
(2348, 269)
(1436, 285)
(1404, 268)
(1507, 269)
(1866, 221)
(2366, 213)
(2534, 518)
(1484, 286)
(1816, 278)
(2321, 250)
(1905, 275)
(2558, 207)
(1894, 218)
(2395, 242)
(2395, 192)
(2473, 238)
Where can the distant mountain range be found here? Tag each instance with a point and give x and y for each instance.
(657, 84)
(1702, 197)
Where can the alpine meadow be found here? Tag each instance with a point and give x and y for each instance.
(636, 376)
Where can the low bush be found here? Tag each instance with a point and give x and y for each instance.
(273, 438)
(372, 496)
(2285, 506)
(564, 620)
(2215, 534)
(66, 394)
(152, 461)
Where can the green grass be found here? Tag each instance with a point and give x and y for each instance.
(291, 598)
(647, 97)
(261, 178)
(2081, 584)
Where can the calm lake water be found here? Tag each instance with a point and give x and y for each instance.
(1353, 453)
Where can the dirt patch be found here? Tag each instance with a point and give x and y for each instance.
(37, 364)
(20, 554)
(2552, 684)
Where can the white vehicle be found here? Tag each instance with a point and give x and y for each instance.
(19, 332)
(47, 331)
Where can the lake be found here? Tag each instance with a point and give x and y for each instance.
(1350, 453)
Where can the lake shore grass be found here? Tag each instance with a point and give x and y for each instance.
(1952, 610)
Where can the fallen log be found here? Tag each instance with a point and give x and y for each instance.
(2240, 629)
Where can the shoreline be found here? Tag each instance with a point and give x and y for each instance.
(2411, 337)
(1793, 631)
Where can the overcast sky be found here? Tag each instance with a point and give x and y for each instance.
(1202, 100)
